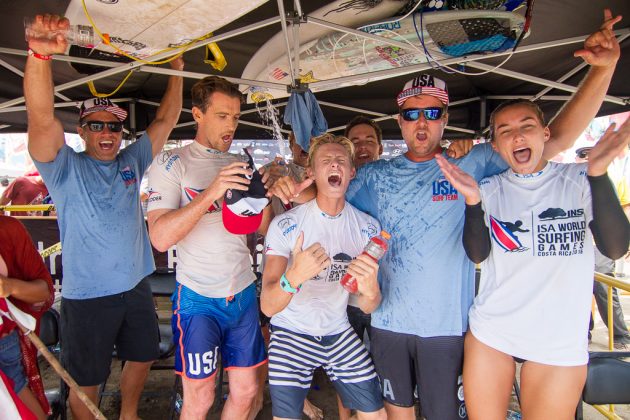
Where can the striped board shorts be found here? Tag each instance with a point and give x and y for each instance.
(294, 357)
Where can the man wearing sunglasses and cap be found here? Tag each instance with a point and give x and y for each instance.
(106, 249)
(427, 281)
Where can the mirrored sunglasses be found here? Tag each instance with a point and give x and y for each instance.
(98, 126)
(413, 114)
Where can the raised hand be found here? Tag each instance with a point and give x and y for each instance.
(273, 172)
(306, 263)
(47, 36)
(463, 183)
(609, 146)
(602, 48)
(287, 189)
(177, 63)
(459, 148)
(365, 270)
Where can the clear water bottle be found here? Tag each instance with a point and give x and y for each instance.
(374, 249)
(81, 35)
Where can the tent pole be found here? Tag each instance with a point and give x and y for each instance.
(285, 32)
(135, 64)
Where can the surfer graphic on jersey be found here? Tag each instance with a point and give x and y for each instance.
(503, 234)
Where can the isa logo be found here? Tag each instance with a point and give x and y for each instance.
(128, 176)
(443, 190)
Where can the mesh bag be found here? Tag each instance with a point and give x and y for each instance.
(466, 36)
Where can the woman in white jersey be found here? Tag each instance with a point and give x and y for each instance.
(533, 228)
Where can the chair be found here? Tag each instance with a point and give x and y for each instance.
(49, 335)
(607, 380)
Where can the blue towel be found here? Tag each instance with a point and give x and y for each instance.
(305, 117)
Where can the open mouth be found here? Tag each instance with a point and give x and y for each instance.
(522, 155)
(422, 136)
(363, 156)
(106, 144)
(334, 180)
(227, 138)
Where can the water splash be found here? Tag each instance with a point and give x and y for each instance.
(270, 116)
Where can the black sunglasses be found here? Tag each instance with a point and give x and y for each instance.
(98, 126)
(413, 114)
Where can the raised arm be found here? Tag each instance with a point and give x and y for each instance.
(45, 132)
(601, 50)
(610, 226)
(168, 112)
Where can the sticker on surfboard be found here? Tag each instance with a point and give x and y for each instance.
(144, 28)
(444, 34)
(351, 13)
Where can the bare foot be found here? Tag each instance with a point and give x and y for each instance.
(312, 412)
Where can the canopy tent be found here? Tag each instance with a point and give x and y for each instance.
(543, 67)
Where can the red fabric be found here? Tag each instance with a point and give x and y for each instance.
(24, 263)
(25, 190)
(25, 413)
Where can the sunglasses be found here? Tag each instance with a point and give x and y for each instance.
(98, 126)
(430, 114)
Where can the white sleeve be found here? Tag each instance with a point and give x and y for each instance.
(165, 181)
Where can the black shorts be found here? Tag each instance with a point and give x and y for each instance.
(91, 327)
(432, 364)
(360, 321)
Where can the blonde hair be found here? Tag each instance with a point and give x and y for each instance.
(327, 138)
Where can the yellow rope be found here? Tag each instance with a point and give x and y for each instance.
(107, 41)
(95, 93)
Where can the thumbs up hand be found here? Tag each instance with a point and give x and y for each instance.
(306, 263)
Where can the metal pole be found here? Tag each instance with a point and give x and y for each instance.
(283, 23)
(136, 64)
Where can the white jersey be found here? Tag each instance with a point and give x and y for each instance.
(535, 292)
(319, 308)
(210, 260)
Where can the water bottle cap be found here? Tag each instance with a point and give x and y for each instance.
(386, 235)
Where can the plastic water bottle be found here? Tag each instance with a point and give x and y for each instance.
(81, 35)
(374, 249)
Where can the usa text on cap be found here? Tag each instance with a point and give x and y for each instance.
(424, 84)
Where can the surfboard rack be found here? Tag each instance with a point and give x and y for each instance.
(297, 87)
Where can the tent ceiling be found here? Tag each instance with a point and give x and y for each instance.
(554, 22)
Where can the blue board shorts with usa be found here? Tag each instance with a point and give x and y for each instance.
(294, 357)
(203, 327)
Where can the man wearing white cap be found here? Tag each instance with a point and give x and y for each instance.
(427, 280)
(106, 249)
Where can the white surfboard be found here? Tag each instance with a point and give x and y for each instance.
(340, 12)
(144, 27)
(337, 54)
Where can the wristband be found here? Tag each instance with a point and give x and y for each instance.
(286, 286)
(40, 56)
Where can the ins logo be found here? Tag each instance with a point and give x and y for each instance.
(206, 362)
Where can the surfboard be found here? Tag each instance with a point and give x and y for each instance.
(144, 27)
(443, 33)
(341, 12)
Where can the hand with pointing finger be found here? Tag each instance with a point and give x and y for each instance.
(306, 263)
(287, 189)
